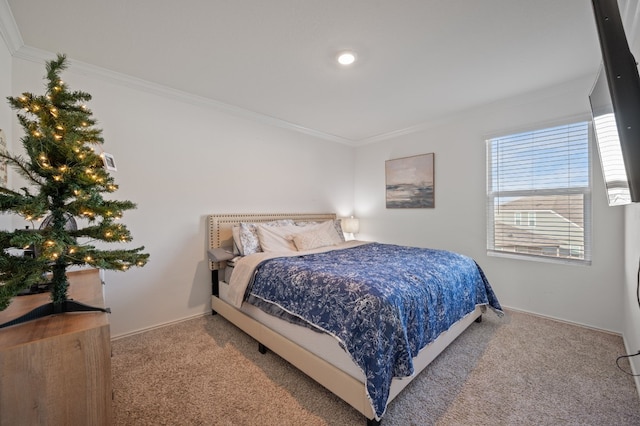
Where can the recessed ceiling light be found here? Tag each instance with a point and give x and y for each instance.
(346, 58)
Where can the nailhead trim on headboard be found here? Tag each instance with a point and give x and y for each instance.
(220, 225)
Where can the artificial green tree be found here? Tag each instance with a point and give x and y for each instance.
(65, 179)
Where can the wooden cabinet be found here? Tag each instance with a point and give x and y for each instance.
(56, 370)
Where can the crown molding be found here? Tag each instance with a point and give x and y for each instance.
(42, 56)
(9, 29)
(396, 133)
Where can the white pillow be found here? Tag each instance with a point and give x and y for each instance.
(320, 236)
(277, 238)
(337, 223)
(249, 236)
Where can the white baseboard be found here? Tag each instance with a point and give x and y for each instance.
(165, 324)
(535, 314)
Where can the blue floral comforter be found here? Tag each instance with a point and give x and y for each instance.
(383, 302)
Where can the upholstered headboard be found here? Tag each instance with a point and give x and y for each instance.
(220, 226)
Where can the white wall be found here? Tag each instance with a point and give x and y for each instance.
(5, 87)
(180, 162)
(5, 110)
(588, 295)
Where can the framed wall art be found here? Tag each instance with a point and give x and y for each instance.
(410, 182)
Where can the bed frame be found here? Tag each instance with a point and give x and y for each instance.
(343, 385)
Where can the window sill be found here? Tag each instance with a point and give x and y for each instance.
(534, 258)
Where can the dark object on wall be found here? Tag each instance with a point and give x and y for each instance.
(615, 105)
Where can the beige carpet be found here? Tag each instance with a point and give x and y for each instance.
(515, 370)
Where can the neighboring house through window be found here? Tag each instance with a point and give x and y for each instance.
(539, 194)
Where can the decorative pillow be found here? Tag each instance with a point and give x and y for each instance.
(337, 223)
(305, 223)
(249, 235)
(320, 236)
(312, 239)
(277, 238)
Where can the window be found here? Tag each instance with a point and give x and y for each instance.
(518, 218)
(532, 218)
(539, 194)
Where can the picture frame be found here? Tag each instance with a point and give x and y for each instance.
(109, 161)
(409, 182)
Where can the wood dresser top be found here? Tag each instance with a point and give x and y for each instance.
(84, 286)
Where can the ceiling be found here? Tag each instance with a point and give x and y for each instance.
(418, 60)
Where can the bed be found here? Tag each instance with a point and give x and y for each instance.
(357, 366)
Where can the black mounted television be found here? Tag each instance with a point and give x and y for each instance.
(615, 106)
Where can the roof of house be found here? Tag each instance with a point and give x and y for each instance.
(569, 207)
(507, 236)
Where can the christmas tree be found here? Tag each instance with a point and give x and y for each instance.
(65, 179)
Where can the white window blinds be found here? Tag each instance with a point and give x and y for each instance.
(539, 194)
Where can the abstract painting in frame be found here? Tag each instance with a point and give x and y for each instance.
(410, 182)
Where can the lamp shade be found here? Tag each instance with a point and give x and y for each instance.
(350, 225)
